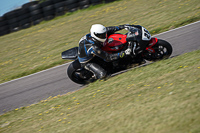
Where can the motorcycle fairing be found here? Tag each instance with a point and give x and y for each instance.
(115, 42)
(152, 42)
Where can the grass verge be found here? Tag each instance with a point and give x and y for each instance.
(39, 47)
(162, 97)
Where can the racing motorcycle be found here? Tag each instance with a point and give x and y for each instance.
(155, 50)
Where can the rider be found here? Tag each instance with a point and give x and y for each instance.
(90, 46)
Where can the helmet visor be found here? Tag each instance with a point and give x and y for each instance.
(101, 35)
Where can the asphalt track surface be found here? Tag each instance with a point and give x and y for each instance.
(52, 82)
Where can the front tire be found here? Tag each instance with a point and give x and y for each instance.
(78, 74)
(163, 50)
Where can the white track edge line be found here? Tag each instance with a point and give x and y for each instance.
(34, 73)
(177, 28)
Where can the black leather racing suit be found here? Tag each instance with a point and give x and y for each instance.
(90, 47)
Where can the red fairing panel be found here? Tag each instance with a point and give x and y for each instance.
(115, 42)
(152, 42)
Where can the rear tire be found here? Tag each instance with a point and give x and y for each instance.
(163, 50)
(78, 74)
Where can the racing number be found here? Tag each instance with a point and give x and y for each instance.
(146, 34)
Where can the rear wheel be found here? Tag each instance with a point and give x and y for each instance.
(78, 74)
(163, 50)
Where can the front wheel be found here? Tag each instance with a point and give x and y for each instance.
(163, 50)
(78, 74)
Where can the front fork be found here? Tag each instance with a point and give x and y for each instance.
(133, 45)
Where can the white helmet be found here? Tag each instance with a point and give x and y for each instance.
(98, 31)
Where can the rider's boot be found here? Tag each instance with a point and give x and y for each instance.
(139, 59)
(138, 56)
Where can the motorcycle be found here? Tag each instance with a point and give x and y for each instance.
(156, 49)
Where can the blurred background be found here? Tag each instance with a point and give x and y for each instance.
(21, 14)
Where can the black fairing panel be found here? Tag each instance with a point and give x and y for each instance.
(70, 54)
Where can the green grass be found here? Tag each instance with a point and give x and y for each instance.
(39, 47)
(162, 97)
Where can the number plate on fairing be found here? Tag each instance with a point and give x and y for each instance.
(146, 36)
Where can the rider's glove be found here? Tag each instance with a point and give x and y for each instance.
(128, 51)
(123, 26)
(127, 27)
